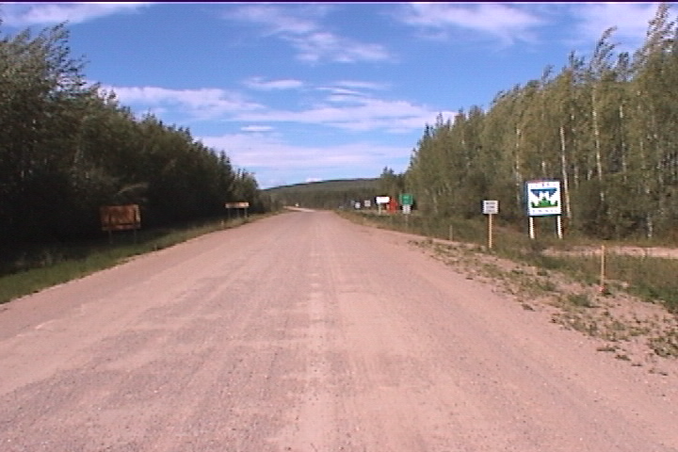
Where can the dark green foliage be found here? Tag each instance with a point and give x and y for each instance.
(332, 194)
(66, 149)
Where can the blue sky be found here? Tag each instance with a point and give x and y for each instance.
(298, 92)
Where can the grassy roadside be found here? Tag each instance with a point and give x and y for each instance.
(34, 269)
(652, 278)
(546, 273)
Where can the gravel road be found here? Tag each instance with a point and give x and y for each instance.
(305, 332)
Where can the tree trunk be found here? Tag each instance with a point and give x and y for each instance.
(564, 175)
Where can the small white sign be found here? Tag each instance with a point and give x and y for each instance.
(407, 209)
(490, 207)
(383, 199)
(367, 203)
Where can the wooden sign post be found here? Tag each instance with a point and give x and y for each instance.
(120, 218)
(490, 208)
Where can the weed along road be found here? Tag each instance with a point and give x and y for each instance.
(305, 332)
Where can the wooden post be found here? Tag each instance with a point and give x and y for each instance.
(450, 233)
(602, 269)
(559, 227)
(532, 228)
(489, 231)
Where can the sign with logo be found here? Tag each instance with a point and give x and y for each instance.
(543, 198)
(490, 207)
(382, 199)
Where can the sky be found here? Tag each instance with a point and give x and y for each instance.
(303, 92)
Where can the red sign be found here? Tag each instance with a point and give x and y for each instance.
(392, 206)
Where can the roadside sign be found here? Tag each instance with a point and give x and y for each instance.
(406, 199)
(237, 205)
(490, 207)
(383, 199)
(543, 198)
(407, 209)
(119, 218)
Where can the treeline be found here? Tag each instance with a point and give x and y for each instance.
(67, 148)
(606, 127)
(333, 194)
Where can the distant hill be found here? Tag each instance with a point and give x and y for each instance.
(331, 194)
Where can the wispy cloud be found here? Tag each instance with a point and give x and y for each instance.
(356, 114)
(260, 84)
(205, 103)
(256, 129)
(270, 153)
(508, 23)
(319, 46)
(26, 14)
(631, 20)
(358, 84)
(302, 28)
(342, 108)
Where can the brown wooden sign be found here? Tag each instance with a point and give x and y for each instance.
(237, 205)
(119, 218)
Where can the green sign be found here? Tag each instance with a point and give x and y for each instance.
(406, 199)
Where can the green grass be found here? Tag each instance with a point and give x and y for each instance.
(580, 300)
(651, 278)
(35, 268)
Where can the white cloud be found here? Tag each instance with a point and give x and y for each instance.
(301, 27)
(357, 84)
(509, 23)
(205, 103)
(320, 46)
(276, 19)
(361, 114)
(631, 20)
(259, 84)
(26, 14)
(256, 129)
(271, 153)
(343, 109)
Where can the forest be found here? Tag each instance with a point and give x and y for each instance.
(605, 126)
(68, 147)
(330, 194)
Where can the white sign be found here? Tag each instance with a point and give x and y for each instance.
(407, 209)
(543, 198)
(490, 207)
(367, 203)
(383, 199)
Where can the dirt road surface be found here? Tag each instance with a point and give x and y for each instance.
(305, 332)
